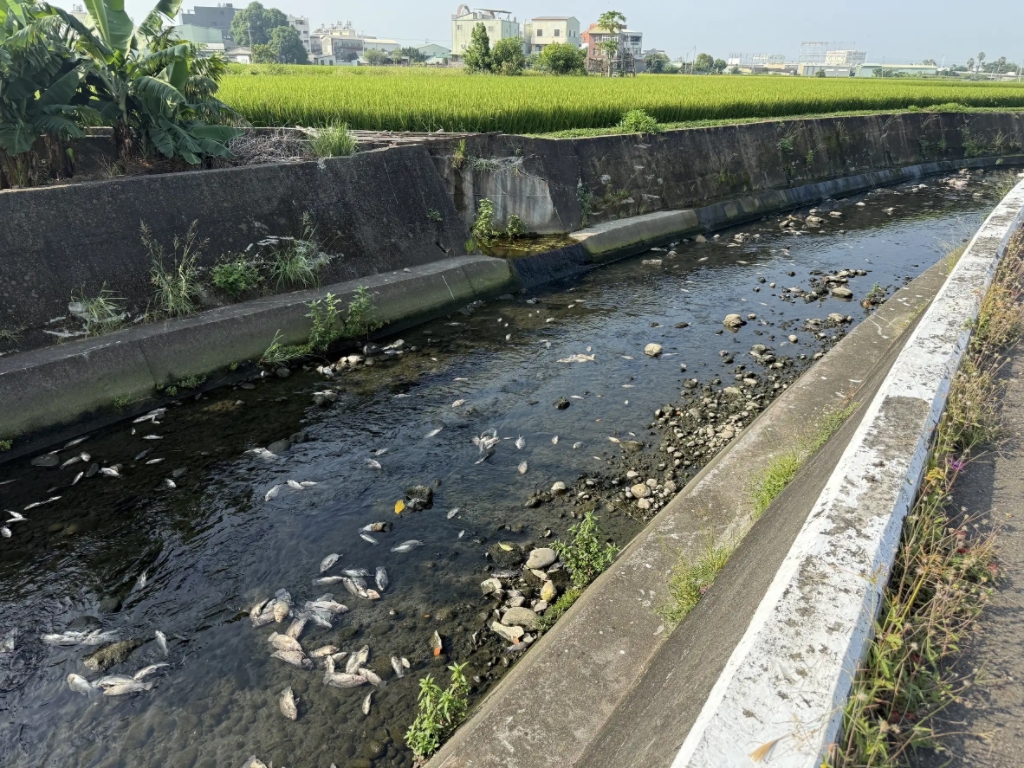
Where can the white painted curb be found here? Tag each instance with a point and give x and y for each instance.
(783, 690)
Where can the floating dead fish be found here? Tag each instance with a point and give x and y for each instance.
(370, 594)
(323, 651)
(520, 443)
(380, 451)
(153, 461)
(123, 689)
(7, 644)
(261, 453)
(381, 579)
(321, 619)
(140, 582)
(457, 403)
(96, 637)
(407, 546)
(157, 413)
(372, 677)
(254, 762)
(161, 641)
(368, 539)
(281, 610)
(144, 454)
(373, 528)
(434, 432)
(330, 606)
(367, 702)
(554, 440)
(329, 580)
(79, 684)
(576, 445)
(307, 483)
(78, 477)
(578, 359)
(5, 532)
(152, 437)
(287, 704)
(147, 671)
(272, 493)
(452, 513)
(523, 467)
(330, 560)
(170, 484)
(108, 681)
(357, 574)
(295, 628)
(344, 680)
(461, 534)
(396, 664)
(373, 464)
(35, 504)
(295, 658)
(69, 462)
(614, 439)
(295, 485)
(109, 472)
(283, 642)
(76, 441)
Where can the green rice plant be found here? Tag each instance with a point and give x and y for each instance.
(235, 276)
(333, 141)
(418, 99)
(102, 313)
(440, 712)
(176, 287)
(586, 556)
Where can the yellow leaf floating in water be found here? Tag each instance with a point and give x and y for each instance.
(506, 547)
(399, 507)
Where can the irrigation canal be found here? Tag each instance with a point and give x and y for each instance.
(130, 555)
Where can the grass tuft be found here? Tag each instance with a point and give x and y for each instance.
(101, 314)
(690, 580)
(177, 287)
(333, 141)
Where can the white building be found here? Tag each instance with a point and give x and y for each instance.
(301, 25)
(541, 31)
(499, 25)
(845, 58)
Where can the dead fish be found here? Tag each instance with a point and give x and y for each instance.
(344, 680)
(352, 587)
(330, 606)
(381, 579)
(396, 664)
(328, 561)
(554, 440)
(140, 582)
(576, 445)
(157, 413)
(357, 574)
(261, 453)
(434, 432)
(461, 534)
(122, 689)
(152, 437)
(373, 464)
(307, 483)
(579, 358)
(368, 539)
(295, 658)
(96, 637)
(281, 610)
(295, 484)
(321, 618)
(16, 517)
(371, 594)
(147, 671)
(170, 484)
(452, 513)
(144, 454)
(380, 451)
(328, 580)
(79, 684)
(407, 546)
(284, 643)
(362, 655)
(69, 462)
(76, 441)
(78, 477)
(457, 403)
(372, 677)
(324, 650)
(520, 443)
(614, 439)
(153, 461)
(405, 662)
(254, 762)
(523, 467)
(287, 704)
(161, 641)
(7, 645)
(373, 528)
(272, 493)
(109, 472)
(110, 680)
(367, 702)
(5, 532)
(295, 628)
(35, 504)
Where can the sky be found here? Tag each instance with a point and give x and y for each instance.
(900, 31)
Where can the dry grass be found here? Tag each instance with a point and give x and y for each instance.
(945, 567)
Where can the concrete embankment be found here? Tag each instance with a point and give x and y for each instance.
(558, 701)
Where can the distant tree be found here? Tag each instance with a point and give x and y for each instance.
(253, 24)
(970, 65)
(703, 63)
(507, 57)
(930, 62)
(287, 46)
(981, 59)
(719, 66)
(656, 62)
(263, 54)
(562, 59)
(375, 57)
(414, 55)
(477, 56)
(612, 21)
(820, 73)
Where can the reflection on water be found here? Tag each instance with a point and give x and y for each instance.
(213, 546)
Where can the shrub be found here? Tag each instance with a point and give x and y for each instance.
(638, 121)
(585, 556)
(483, 227)
(440, 712)
(236, 276)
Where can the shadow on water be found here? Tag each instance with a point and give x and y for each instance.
(213, 546)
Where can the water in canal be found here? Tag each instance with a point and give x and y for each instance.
(213, 546)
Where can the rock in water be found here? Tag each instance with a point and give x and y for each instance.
(109, 655)
(562, 403)
(733, 321)
(511, 634)
(640, 491)
(548, 591)
(542, 557)
(287, 703)
(842, 293)
(653, 350)
(520, 617)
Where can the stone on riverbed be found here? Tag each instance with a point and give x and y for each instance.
(733, 321)
(653, 350)
(511, 634)
(541, 558)
(520, 617)
(640, 491)
(490, 586)
(548, 591)
(842, 293)
(558, 488)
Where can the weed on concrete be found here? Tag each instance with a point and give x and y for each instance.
(101, 313)
(235, 276)
(440, 713)
(945, 567)
(690, 580)
(176, 286)
(333, 141)
(299, 263)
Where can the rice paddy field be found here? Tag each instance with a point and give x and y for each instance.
(402, 99)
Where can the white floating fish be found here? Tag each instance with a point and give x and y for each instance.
(161, 641)
(367, 702)
(407, 546)
(461, 534)
(272, 493)
(307, 483)
(5, 532)
(329, 580)
(523, 467)
(153, 461)
(368, 539)
(452, 513)
(554, 440)
(576, 445)
(35, 504)
(520, 443)
(380, 451)
(140, 582)
(396, 664)
(329, 561)
(16, 517)
(76, 441)
(457, 403)
(578, 359)
(152, 437)
(614, 439)
(69, 462)
(381, 579)
(434, 432)
(261, 453)
(169, 484)
(373, 464)
(147, 671)
(109, 472)
(79, 684)
(295, 484)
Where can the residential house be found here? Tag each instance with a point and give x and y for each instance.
(199, 35)
(218, 17)
(541, 31)
(629, 41)
(499, 25)
(301, 25)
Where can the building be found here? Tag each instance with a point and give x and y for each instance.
(630, 41)
(812, 70)
(380, 44)
(433, 50)
(83, 16)
(217, 17)
(336, 45)
(199, 35)
(845, 58)
(541, 31)
(896, 70)
(499, 25)
(301, 25)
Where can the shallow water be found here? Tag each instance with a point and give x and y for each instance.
(213, 547)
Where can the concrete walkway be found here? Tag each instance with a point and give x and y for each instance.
(987, 730)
